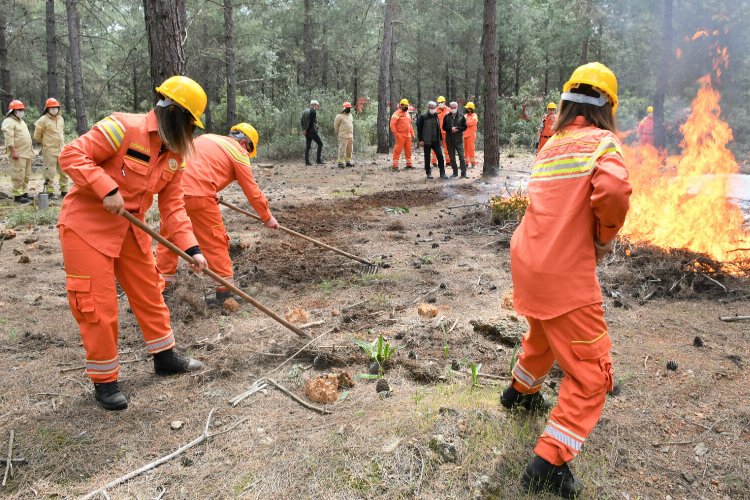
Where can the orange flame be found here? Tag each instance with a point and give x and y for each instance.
(699, 34)
(683, 204)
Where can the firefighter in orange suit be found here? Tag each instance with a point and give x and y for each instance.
(545, 130)
(217, 162)
(118, 166)
(645, 130)
(442, 110)
(403, 132)
(579, 196)
(470, 136)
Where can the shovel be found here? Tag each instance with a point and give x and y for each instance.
(367, 268)
(145, 228)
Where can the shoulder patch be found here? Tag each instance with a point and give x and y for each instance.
(113, 130)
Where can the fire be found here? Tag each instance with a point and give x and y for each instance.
(683, 203)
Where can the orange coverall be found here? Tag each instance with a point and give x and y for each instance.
(216, 162)
(578, 190)
(646, 130)
(546, 132)
(403, 131)
(441, 112)
(470, 138)
(122, 151)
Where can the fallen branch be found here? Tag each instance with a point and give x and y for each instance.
(426, 293)
(311, 324)
(296, 398)
(205, 436)
(9, 460)
(466, 205)
(713, 280)
(346, 308)
(14, 461)
(257, 386)
(300, 350)
(664, 443)
(489, 376)
(732, 319)
(454, 326)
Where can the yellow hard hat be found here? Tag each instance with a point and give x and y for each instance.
(404, 102)
(650, 109)
(251, 134)
(470, 105)
(187, 93)
(552, 105)
(441, 99)
(598, 76)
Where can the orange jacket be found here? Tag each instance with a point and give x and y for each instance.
(471, 125)
(441, 112)
(547, 122)
(123, 151)
(646, 130)
(217, 162)
(401, 123)
(578, 190)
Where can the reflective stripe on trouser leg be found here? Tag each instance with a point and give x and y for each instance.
(580, 343)
(93, 301)
(535, 360)
(136, 271)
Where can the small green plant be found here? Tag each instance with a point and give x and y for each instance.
(378, 351)
(426, 259)
(510, 207)
(514, 357)
(446, 347)
(475, 367)
(396, 210)
(31, 217)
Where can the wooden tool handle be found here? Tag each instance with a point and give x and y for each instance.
(147, 229)
(298, 235)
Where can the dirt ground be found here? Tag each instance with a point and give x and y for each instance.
(682, 434)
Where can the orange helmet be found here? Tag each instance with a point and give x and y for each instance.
(347, 105)
(16, 104)
(52, 103)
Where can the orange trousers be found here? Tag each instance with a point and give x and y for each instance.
(90, 282)
(209, 230)
(403, 143)
(469, 152)
(446, 156)
(542, 141)
(580, 343)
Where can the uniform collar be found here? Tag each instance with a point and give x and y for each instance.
(152, 123)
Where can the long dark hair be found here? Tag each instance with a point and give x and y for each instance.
(599, 116)
(176, 129)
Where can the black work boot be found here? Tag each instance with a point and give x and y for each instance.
(109, 397)
(171, 362)
(340, 165)
(544, 477)
(511, 399)
(219, 298)
(350, 164)
(21, 200)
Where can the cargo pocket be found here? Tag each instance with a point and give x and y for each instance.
(595, 363)
(220, 234)
(81, 302)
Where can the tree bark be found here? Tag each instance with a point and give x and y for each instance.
(52, 88)
(166, 26)
(384, 76)
(74, 36)
(307, 44)
(231, 65)
(662, 76)
(392, 95)
(66, 79)
(355, 85)
(491, 147)
(208, 87)
(324, 56)
(6, 86)
(587, 31)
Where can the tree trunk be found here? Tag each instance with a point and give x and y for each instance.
(208, 83)
(6, 86)
(662, 76)
(166, 26)
(231, 65)
(52, 90)
(393, 97)
(74, 36)
(66, 78)
(135, 87)
(500, 65)
(478, 77)
(384, 76)
(491, 148)
(307, 44)
(325, 59)
(355, 86)
(587, 31)
(546, 74)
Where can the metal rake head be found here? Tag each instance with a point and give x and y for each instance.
(369, 269)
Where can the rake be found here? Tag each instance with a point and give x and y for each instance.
(247, 298)
(368, 268)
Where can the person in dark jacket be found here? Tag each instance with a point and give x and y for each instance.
(428, 132)
(309, 126)
(454, 125)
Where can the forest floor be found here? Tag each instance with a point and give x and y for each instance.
(665, 434)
